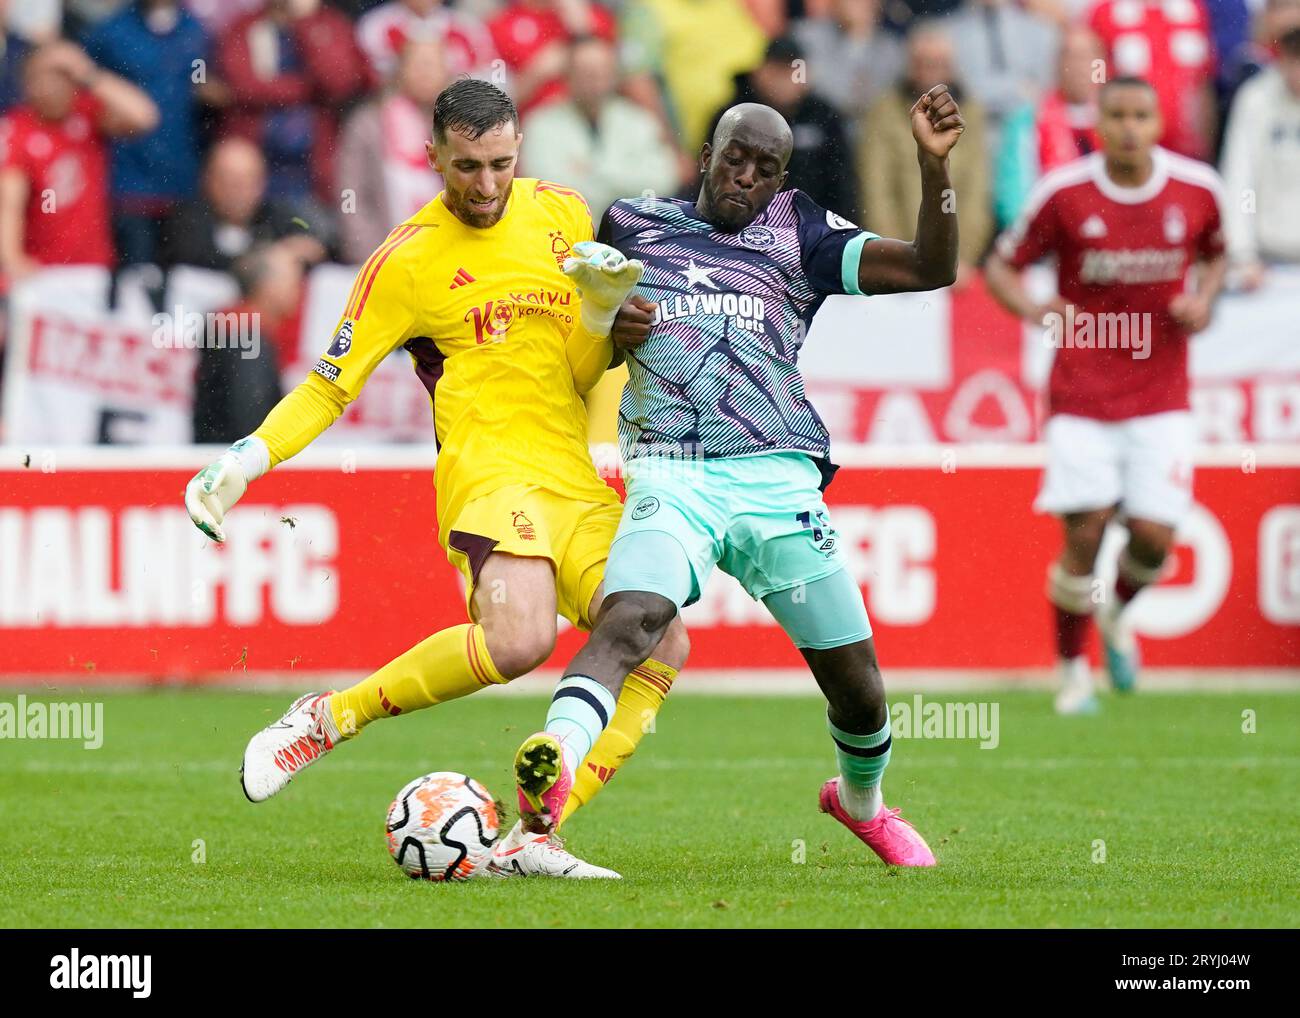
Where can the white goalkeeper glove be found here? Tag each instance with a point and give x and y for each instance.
(604, 278)
(218, 486)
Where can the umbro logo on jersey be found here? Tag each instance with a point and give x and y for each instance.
(1092, 228)
(463, 278)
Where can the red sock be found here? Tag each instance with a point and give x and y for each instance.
(1125, 588)
(1132, 576)
(1071, 632)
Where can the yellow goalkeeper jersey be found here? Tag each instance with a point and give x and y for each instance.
(485, 315)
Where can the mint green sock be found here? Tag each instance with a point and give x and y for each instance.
(580, 711)
(862, 760)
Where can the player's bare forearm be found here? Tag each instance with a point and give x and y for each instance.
(1211, 276)
(936, 224)
(1005, 285)
(127, 109)
(1193, 309)
(930, 260)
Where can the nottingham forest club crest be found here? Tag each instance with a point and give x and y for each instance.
(1175, 225)
(559, 248)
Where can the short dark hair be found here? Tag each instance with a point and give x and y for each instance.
(1290, 43)
(472, 107)
(1127, 81)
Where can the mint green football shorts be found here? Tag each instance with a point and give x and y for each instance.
(758, 518)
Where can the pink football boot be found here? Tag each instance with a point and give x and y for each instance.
(887, 834)
(543, 778)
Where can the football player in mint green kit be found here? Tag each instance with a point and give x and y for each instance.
(727, 459)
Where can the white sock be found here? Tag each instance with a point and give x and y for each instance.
(580, 710)
(861, 803)
(1076, 672)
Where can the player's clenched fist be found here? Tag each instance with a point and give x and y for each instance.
(937, 122)
(604, 278)
(632, 326)
(218, 486)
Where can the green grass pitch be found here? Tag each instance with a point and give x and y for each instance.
(713, 824)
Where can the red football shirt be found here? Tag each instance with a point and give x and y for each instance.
(1119, 251)
(1167, 42)
(520, 32)
(66, 166)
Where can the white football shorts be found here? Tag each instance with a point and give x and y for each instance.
(1142, 464)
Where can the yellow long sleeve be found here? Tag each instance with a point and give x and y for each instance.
(589, 356)
(301, 417)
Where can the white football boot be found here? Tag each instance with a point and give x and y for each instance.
(279, 751)
(1076, 695)
(525, 854)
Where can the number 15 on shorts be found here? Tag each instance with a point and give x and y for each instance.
(815, 521)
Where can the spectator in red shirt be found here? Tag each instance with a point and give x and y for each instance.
(54, 162)
(1066, 121)
(382, 163)
(383, 31)
(533, 39)
(290, 68)
(1059, 128)
(1166, 42)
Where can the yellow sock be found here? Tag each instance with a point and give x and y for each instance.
(643, 694)
(451, 663)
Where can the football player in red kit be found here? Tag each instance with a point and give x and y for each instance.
(1135, 230)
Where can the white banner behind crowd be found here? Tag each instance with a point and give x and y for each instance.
(907, 369)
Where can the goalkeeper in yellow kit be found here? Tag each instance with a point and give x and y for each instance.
(505, 303)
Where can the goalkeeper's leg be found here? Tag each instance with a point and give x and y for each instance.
(513, 635)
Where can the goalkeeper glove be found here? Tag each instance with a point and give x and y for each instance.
(604, 278)
(218, 486)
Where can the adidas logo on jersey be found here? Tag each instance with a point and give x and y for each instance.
(463, 278)
(1092, 228)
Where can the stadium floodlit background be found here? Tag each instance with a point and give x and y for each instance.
(267, 148)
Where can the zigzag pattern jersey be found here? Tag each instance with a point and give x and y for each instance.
(719, 373)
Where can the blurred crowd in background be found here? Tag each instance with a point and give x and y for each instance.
(264, 136)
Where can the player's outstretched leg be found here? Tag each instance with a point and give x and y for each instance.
(631, 625)
(274, 755)
(1140, 564)
(510, 639)
(449, 664)
(827, 621)
(644, 691)
(527, 850)
(858, 719)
